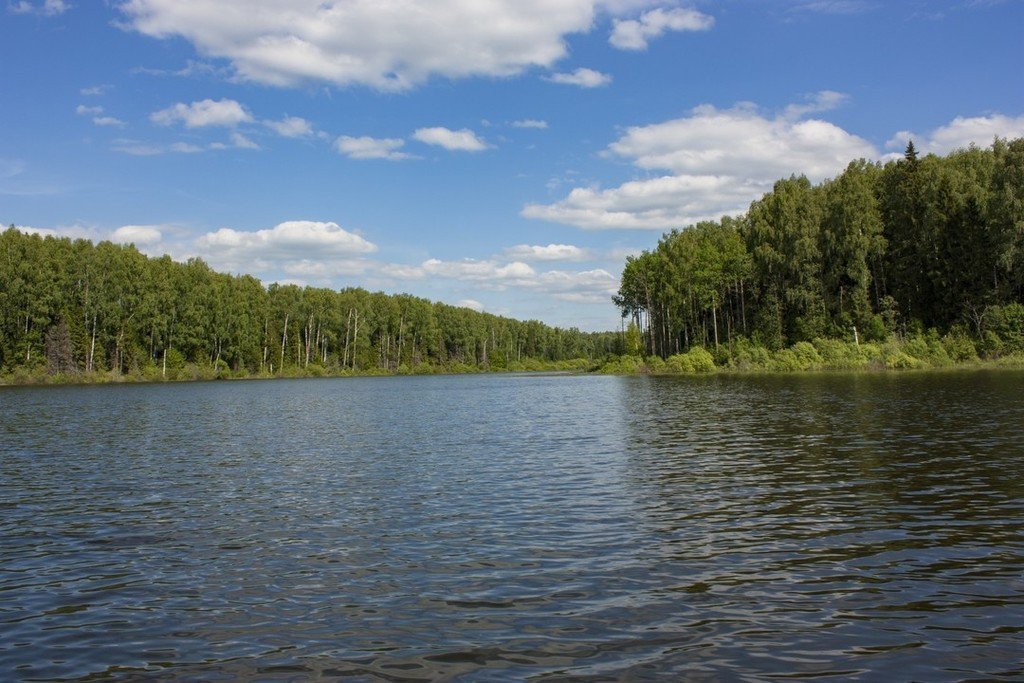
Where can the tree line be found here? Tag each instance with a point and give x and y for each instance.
(914, 244)
(71, 306)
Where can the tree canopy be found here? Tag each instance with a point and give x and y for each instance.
(77, 307)
(916, 243)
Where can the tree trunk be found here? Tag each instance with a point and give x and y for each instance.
(284, 338)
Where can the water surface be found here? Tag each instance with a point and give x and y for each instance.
(507, 527)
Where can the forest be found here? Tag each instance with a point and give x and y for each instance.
(914, 261)
(79, 311)
(923, 247)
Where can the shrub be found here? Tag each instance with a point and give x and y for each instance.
(623, 365)
(679, 364)
(655, 364)
(959, 346)
(701, 360)
(806, 355)
(784, 361)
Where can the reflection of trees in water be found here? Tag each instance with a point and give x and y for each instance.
(805, 456)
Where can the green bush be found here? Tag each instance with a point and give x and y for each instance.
(836, 354)
(623, 365)
(655, 364)
(959, 346)
(701, 360)
(1007, 324)
(895, 358)
(807, 356)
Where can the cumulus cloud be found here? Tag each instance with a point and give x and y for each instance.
(203, 113)
(471, 304)
(139, 235)
(384, 45)
(582, 77)
(491, 274)
(146, 149)
(962, 132)
(108, 121)
(95, 111)
(366, 147)
(530, 123)
(291, 127)
(634, 34)
(819, 102)
(741, 142)
(239, 141)
(287, 243)
(551, 252)
(653, 204)
(718, 160)
(483, 271)
(588, 286)
(47, 8)
(463, 140)
(95, 90)
(71, 231)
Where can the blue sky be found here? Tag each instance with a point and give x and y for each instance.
(504, 155)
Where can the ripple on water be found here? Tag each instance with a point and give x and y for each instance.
(505, 527)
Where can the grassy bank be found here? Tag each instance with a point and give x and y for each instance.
(921, 352)
(191, 372)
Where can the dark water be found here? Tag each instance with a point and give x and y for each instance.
(508, 527)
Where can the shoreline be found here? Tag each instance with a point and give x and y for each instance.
(645, 367)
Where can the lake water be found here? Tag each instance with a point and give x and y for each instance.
(507, 527)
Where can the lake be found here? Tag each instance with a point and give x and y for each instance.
(502, 527)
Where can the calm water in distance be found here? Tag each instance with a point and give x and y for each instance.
(507, 527)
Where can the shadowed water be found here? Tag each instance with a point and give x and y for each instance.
(507, 527)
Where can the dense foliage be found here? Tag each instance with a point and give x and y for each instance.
(73, 307)
(917, 246)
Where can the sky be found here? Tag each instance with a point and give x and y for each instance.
(505, 155)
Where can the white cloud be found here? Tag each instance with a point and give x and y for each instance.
(192, 68)
(95, 111)
(530, 123)
(471, 304)
(582, 77)
(718, 162)
(825, 100)
(634, 34)
(588, 286)
(145, 149)
(291, 127)
(323, 272)
(654, 204)
(384, 45)
(48, 8)
(222, 112)
(490, 274)
(71, 231)
(367, 147)
(463, 140)
(95, 90)
(108, 121)
(962, 132)
(487, 272)
(551, 252)
(284, 245)
(184, 148)
(139, 235)
(741, 142)
(239, 141)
